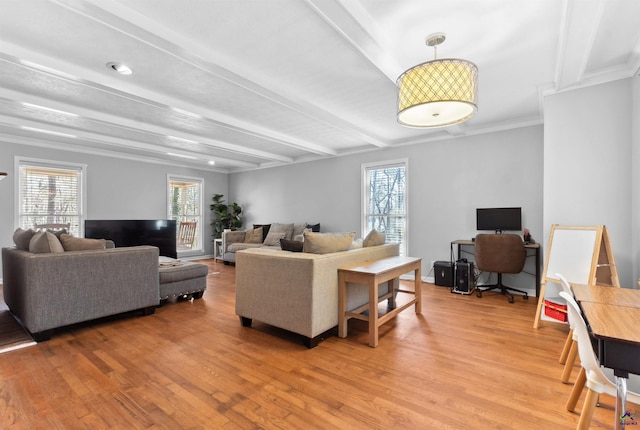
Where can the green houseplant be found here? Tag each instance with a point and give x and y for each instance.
(224, 215)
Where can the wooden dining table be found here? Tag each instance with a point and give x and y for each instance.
(613, 317)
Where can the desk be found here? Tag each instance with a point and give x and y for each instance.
(534, 246)
(608, 295)
(373, 273)
(613, 323)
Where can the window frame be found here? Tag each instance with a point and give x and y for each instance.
(80, 168)
(201, 217)
(365, 167)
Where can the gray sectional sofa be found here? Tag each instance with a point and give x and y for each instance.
(45, 291)
(52, 280)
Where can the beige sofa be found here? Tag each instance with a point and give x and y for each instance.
(298, 291)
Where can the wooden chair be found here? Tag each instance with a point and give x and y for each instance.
(54, 226)
(186, 234)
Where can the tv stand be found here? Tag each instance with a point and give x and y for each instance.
(532, 246)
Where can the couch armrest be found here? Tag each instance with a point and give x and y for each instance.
(229, 237)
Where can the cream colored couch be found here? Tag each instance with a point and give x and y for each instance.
(298, 291)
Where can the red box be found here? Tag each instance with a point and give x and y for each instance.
(555, 310)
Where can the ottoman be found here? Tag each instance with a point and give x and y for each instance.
(181, 278)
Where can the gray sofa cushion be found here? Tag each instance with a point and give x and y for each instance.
(184, 271)
(22, 238)
(287, 229)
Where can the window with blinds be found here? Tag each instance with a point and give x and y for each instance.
(50, 193)
(185, 206)
(385, 201)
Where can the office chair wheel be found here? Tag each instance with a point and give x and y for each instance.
(526, 297)
(511, 299)
(478, 293)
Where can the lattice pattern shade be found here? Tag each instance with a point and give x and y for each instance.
(437, 93)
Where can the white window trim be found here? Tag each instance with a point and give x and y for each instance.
(363, 193)
(18, 161)
(172, 177)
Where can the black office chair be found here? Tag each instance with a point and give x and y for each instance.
(500, 253)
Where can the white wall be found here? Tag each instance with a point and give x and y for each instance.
(587, 165)
(116, 188)
(635, 177)
(447, 181)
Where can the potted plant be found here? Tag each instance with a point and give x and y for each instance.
(226, 216)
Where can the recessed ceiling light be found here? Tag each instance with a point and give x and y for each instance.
(48, 109)
(40, 130)
(120, 68)
(211, 162)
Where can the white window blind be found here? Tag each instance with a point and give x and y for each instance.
(50, 194)
(385, 203)
(185, 205)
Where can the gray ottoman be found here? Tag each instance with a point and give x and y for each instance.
(184, 279)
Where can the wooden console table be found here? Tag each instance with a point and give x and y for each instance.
(373, 273)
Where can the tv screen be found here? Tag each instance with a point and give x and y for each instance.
(499, 219)
(159, 232)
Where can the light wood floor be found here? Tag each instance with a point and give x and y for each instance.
(465, 363)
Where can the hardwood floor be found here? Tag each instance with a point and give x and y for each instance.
(465, 362)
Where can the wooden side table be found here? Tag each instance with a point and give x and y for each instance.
(373, 273)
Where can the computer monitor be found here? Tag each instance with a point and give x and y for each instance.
(499, 219)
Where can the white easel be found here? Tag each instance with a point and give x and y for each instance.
(582, 255)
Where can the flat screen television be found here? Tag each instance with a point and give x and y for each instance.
(158, 232)
(499, 219)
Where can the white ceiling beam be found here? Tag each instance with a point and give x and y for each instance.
(120, 17)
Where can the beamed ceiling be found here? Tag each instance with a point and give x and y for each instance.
(257, 83)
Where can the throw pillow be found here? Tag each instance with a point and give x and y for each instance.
(265, 229)
(254, 236)
(324, 243)
(314, 227)
(287, 229)
(298, 229)
(300, 237)
(58, 233)
(273, 238)
(291, 245)
(374, 238)
(357, 243)
(70, 243)
(44, 242)
(22, 238)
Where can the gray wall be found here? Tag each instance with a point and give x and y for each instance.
(116, 188)
(447, 181)
(588, 166)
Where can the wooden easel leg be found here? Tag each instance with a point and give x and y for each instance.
(543, 288)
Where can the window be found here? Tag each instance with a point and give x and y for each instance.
(385, 200)
(50, 193)
(185, 206)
